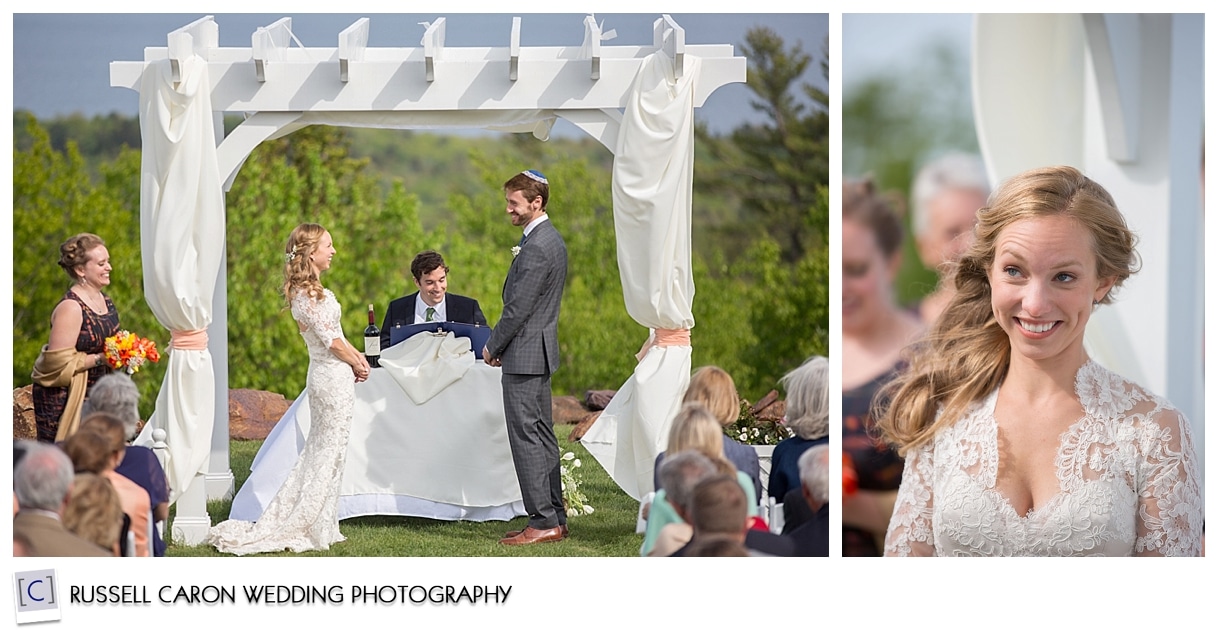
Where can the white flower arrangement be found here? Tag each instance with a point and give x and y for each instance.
(515, 251)
(575, 500)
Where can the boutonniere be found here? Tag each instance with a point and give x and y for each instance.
(515, 251)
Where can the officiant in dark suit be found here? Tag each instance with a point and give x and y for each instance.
(432, 302)
(525, 345)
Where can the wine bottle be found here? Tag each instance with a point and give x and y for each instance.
(372, 341)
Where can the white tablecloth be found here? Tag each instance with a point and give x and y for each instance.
(445, 459)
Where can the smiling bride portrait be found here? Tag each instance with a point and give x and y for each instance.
(1016, 443)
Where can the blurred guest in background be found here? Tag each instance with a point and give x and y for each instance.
(43, 483)
(946, 195)
(874, 332)
(812, 538)
(94, 512)
(714, 388)
(116, 394)
(97, 448)
(808, 416)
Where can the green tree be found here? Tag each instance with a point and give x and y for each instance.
(775, 168)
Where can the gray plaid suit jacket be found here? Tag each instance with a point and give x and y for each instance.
(526, 337)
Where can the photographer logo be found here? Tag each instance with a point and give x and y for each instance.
(37, 596)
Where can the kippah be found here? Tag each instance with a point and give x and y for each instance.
(536, 175)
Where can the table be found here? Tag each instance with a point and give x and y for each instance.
(447, 458)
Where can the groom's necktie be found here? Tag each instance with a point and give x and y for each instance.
(431, 314)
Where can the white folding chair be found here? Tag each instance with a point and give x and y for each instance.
(640, 524)
(776, 516)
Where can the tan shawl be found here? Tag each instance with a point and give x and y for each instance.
(61, 368)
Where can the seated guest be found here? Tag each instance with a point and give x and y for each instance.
(678, 477)
(43, 483)
(94, 512)
(118, 395)
(694, 428)
(719, 508)
(812, 538)
(717, 546)
(99, 449)
(713, 387)
(432, 302)
(808, 417)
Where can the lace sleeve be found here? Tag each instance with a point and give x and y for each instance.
(1169, 497)
(910, 532)
(313, 315)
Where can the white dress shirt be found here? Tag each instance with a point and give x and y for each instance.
(420, 311)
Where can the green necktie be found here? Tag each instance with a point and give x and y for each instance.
(431, 314)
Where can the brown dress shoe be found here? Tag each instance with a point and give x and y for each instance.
(532, 535)
(513, 533)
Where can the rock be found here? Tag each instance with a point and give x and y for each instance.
(253, 413)
(23, 414)
(765, 402)
(567, 410)
(774, 411)
(582, 428)
(598, 399)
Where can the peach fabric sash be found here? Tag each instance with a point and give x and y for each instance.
(195, 340)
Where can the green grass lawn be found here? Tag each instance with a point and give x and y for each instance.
(608, 531)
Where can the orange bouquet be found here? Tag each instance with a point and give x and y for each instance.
(128, 350)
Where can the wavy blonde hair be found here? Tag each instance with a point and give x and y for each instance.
(967, 354)
(713, 387)
(298, 273)
(694, 428)
(94, 511)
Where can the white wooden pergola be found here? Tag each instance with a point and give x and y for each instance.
(609, 92)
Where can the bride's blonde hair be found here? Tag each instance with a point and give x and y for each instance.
(298, 273)
(967, 354)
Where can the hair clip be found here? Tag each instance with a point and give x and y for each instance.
(536, 175)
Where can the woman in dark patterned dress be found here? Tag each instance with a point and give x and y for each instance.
(75, 356)
(874, 332)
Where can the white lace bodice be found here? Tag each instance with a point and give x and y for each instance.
(1126, 472)
(320, 322)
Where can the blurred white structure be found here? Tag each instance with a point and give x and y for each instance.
(1119, 96)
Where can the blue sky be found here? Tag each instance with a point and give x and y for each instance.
(60, 63)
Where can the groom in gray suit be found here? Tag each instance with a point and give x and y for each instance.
(525, 345)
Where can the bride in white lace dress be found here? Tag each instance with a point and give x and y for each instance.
(1017, 444)
(304, 512)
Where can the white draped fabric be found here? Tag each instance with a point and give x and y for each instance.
(446, 458)
(182, 242)
(652, 201)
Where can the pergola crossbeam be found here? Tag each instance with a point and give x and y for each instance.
(352, 43)
(514, 51)
(270, 43)
(196, 38)
(433, 46)
(592, 45)
(670, 37)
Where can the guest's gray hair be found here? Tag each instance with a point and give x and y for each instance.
(117, 395)
(814, 471)
(43, 478)
(808, 398)
(681, 472)
(951, 171)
